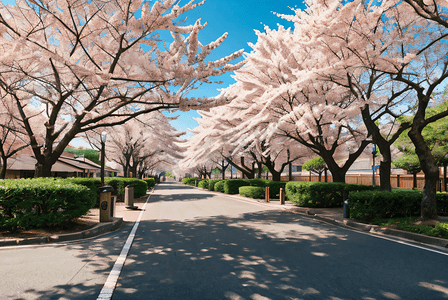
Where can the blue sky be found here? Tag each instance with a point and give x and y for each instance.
(239, 18)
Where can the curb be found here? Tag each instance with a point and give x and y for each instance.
(98, 229)
(348, 223)
(378, 230)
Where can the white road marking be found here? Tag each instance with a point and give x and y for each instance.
(109, 287)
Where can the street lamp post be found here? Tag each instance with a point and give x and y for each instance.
(103, 142)
(373, 164)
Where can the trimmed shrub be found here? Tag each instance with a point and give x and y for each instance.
(257, 182)
(91, 183)
(254, 192)
(367, 205)
(315, 194)
(321, 194)
(189, 181)
(274, 188)
(151, 182)
(203, 184)
(232, 186)
(140, 186)
(219, 186)
(360, 187)
(211, 183)
(26, 203)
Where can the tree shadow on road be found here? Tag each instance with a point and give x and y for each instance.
(268, 255)
(96, 256)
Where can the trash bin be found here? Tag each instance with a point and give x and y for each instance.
(105, 203)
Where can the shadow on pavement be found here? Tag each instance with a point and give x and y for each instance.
(272, 255)
(98, 255)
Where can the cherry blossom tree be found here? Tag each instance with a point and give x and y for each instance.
(351, 63)
(141, 144)
(12, 137)
(277, 94)
(388, 41)
(91, 64)
(214, 137)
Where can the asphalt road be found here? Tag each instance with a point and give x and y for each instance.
(192, 244)
(196, 245)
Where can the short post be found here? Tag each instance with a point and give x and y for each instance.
(282, 196)
(113, 201)
(346, 209)
(267, 194)
(105, 203)
(129, 197)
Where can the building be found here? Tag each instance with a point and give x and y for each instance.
(22, 166)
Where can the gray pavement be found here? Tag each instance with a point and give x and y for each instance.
(193, 244)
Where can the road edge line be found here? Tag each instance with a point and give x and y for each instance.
(109, 286)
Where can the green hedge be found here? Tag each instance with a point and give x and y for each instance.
(257, 182)
(151, 182)
(26, 203)
(274, 188)
(219, 186)
(203, 184)
(189, 181)
(212, 182)
(321, 194)
(315, 194)
(140, 186)
(367, 205)
(231, 186)
(254, 192)
(91, 183)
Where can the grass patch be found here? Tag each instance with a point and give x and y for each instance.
(440, 230)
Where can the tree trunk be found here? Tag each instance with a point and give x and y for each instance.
(385, 176)
(42, 169)
(338, 176)
(4, 166)
(383, 145)
(444, 176)
(290, 171)
(276, 176)
(414, 180)
(429, 200)
(428, 166)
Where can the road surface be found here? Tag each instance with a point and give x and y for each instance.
(193, 244)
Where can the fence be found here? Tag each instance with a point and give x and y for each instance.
(396, 181)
